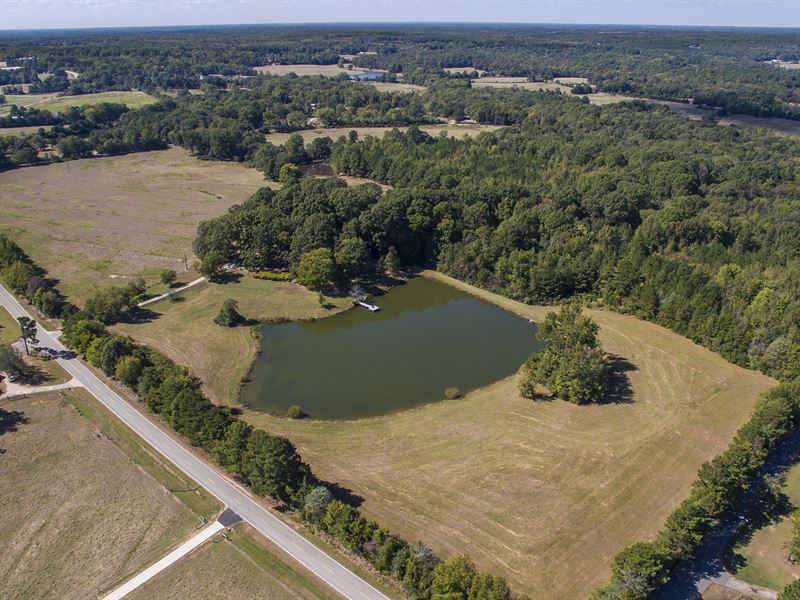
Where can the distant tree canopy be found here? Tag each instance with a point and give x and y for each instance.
(572, 366)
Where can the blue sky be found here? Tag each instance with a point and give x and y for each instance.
(15, 14)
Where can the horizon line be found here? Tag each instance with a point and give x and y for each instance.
(399, 23)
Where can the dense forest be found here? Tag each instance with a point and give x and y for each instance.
(719, 68)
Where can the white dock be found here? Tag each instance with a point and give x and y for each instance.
(369, 307)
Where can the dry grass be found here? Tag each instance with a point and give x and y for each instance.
(221, 356)
(460, 131)
(23, 130)
(571, 80)
(542, 492)
(325, 70)
(396, 86)
(454, 70)
(600, 98)
(95, 222)
(787, 65)
(780, 126)
(78, 513)
(244, 568)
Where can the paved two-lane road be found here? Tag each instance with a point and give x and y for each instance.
(226, 490)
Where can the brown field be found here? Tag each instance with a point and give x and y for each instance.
(542, 492)
(221, 356)
(599, 98)
(571, 80)
(396, 86)
(787, 65)
(335, 132)
(453, 70)
(23, 130)
(95, 222)
(83, 505)
(300, 70)
(245, 567)
(780, 126)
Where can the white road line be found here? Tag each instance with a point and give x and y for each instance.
(171, 558)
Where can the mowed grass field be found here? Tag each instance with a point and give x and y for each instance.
(185, 331)
(521, 83)
(96, 222)
(543, 492)
(56, 103)
(9, 328)
(334, 132)
(324, 70)
(85, 504)
(762, 557)
(244, 567)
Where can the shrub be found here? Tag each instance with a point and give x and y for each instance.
(790, 592)
(272, 276)
(452, 393)
(295, 412)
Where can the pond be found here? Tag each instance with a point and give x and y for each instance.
(427, 337)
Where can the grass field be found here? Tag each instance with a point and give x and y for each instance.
(763, 556)
(84, 502)
(221, 356)
(55, 103)
(96, 222)
(542, 492)
(9, 328)
(301, 70)
(334, 132)
(243, 568)
(22, 130)
(521, 83)
(396, 86)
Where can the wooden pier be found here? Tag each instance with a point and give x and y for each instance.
(369, 307)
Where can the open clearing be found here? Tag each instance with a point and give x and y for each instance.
(55, 103)
(9, 328)
(542, 492)
(23, 130)
(94, 222)
(763, 556)
(460, 131)
(244, 568)
(221, 356)
(84, 502)
(521, 83)
(396, 86)
(325, 70)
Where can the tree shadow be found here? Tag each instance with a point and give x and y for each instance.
(618, 390)
(10, 420)
(771, 508)
(139, 316)
(343, 494)
(227, 277)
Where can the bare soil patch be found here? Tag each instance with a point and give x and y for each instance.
(78, 514)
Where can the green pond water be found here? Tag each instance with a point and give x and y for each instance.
(427, 337)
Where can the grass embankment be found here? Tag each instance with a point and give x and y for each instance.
(546, 492)
(96, 222)
(243, 567)
(85, 503)
(185, 331)
(762, 558)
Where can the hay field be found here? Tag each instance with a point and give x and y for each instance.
(244, 568)
(80, 508)
(30, 129)
(599, 98)
(220, 356)
(96, 222)
(325, 70)
(396, 86)
(545, 492)
(334, 132)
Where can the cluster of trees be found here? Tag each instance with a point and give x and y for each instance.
(641, 568)
(682, 223)
(27, 280)
(271, 466)
(571, 366)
